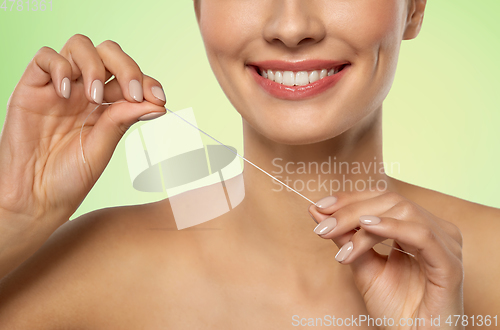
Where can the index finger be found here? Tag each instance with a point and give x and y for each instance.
(126, 71)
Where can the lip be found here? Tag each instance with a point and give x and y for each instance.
(296, 93)
(306, 65)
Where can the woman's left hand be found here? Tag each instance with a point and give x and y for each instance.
(397, 286)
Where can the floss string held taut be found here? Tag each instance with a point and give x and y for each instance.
(246, 160)
(222, 144)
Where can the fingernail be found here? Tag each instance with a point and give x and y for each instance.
(325, 226)
(369, 219)
(326, 202)
(97, 91)
(158, 93)
(135, 90)
(312, 216)
(344, 252)
(66, 88)
(151, 116)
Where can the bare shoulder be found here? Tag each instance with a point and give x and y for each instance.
(92, 265)
(480, 225)
(463, 213)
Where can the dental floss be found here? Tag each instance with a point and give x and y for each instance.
(392, 247)
(246, 160)
(222, 144)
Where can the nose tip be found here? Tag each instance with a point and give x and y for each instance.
(294, 42)
(294, 24)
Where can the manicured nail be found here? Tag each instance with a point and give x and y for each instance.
(369, 219)
(326, 202)
(66, 88)
(344, 252)
(152, 115)
(312, 216)
(97, 91)
(158, 93)
(325, 226)
(135, 90)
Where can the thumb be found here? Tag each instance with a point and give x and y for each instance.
(100, 143)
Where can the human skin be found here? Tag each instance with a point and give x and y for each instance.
(261, 263)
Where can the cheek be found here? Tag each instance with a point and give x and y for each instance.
(369, 24)
(373, 30)
(226, 26)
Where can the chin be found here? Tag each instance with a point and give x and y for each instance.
(298, 132)
(298, 139)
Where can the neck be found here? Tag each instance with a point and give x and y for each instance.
(275, 218)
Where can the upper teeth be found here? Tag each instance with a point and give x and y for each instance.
(301, 78)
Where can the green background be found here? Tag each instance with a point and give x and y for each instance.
(440, 120)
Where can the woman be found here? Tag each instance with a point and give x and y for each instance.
(266, 265)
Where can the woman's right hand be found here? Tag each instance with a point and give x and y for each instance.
(42, 172)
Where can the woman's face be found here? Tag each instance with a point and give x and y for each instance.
(300, 41)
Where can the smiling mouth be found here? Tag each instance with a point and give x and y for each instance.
(299, 78)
